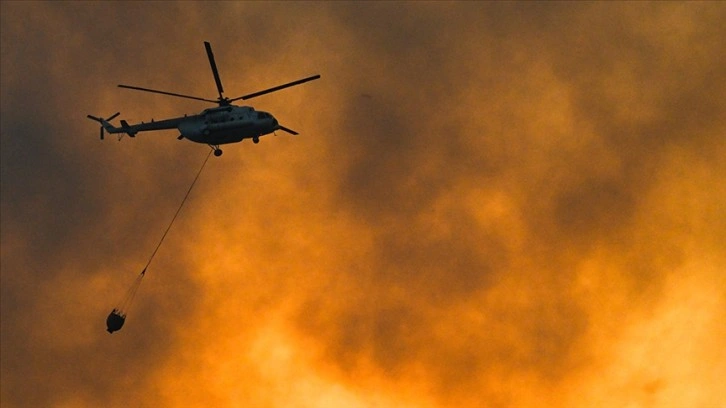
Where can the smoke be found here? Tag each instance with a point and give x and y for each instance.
(489, 205)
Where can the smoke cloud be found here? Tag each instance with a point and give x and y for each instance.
(489, 204)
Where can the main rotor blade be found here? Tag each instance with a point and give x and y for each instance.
(166, 93)
(214, 68)
(277, 88)
(288, 130)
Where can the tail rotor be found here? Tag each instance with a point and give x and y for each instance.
(101, 121)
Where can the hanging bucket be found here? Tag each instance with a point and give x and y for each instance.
(115, 321)
(117, 317)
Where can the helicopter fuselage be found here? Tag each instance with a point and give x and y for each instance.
(227, 124)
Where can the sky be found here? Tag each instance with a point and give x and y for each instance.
(506, 204)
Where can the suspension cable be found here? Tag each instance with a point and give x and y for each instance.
(176, 214)
(117, 316)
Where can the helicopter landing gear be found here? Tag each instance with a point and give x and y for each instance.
(255, 140)
(217, 151)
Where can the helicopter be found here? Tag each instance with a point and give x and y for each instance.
(225, 123)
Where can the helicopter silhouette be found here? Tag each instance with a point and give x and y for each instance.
(226, 123)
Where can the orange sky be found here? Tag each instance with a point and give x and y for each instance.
(489, 205)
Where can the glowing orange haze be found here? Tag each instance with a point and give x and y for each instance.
(497, 205)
